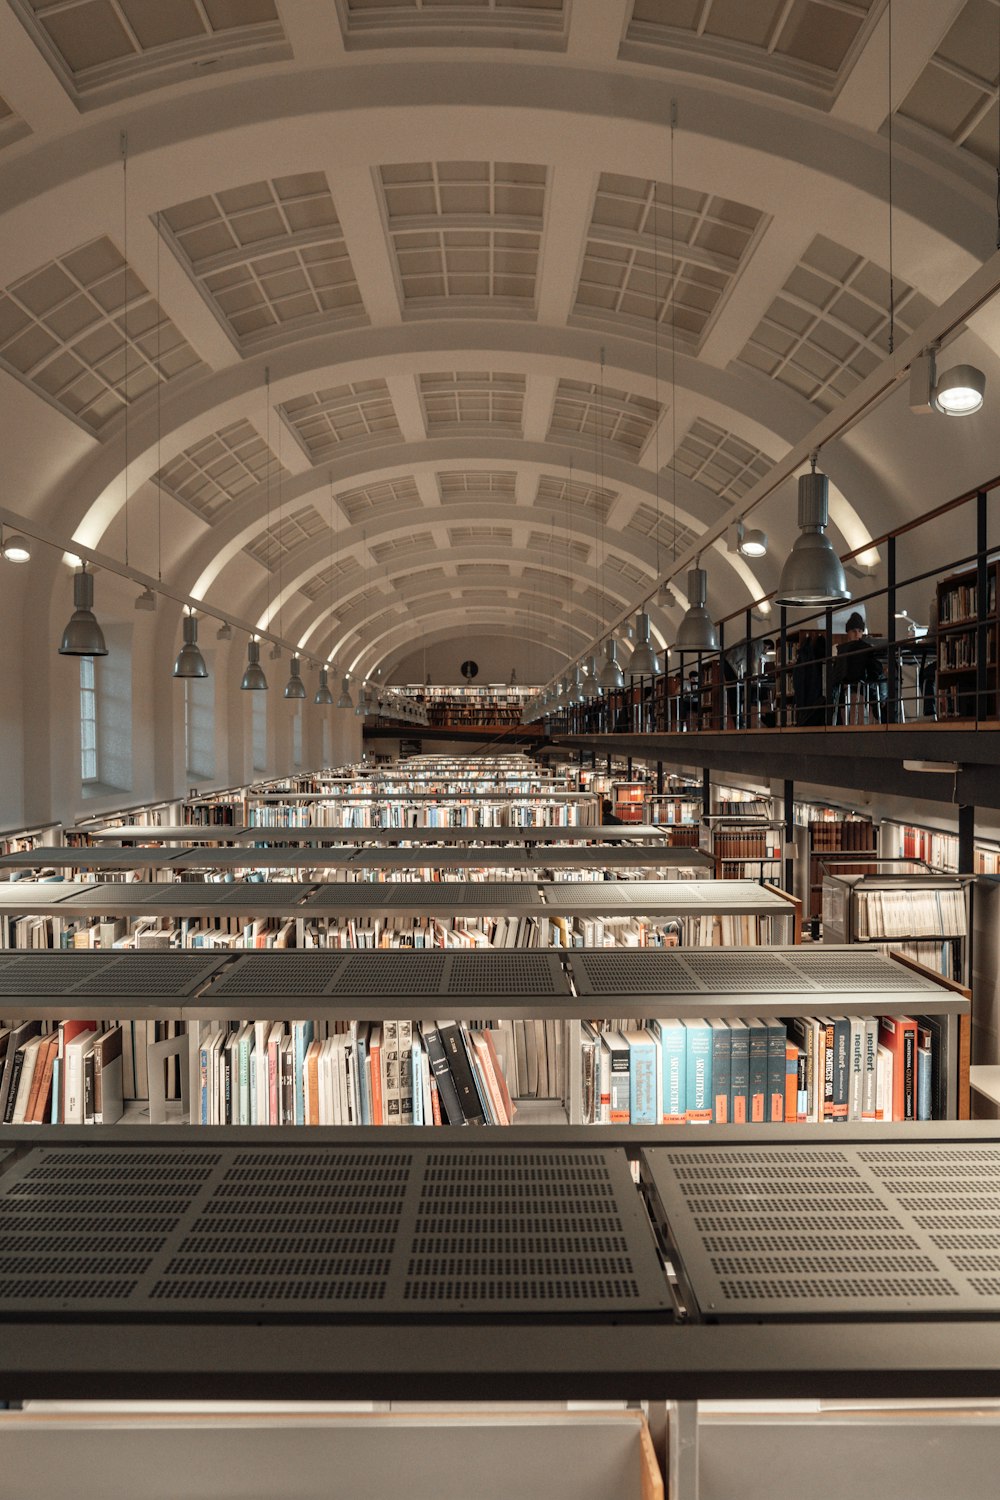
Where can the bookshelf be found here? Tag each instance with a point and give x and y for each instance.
(629, 800)
(964, 630)
(18, 840)
(744, 846)
(819, 841)
(922, 914)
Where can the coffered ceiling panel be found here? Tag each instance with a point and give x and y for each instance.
(467, 536)
(214, 472)
(658, 525)
(381, 22)
(98, 43)
(387, 498)
(465, 232)
(400, 546)
(655, 256)
(828, 328)
(330, 419)
(720, 460)
(472, 399)
(460, 485)
(623, 422)
(335, 573)
(84, 331)
(956, 94)
(560, 492)
(538, 541)
(269, 257)
(272, 545)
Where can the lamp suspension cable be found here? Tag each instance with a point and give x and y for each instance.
(892, 284)
(125, 302)
(673, 343)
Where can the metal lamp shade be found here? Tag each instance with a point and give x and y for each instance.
(323, 695)
(959, 392)
(813, 573)
(697, 631)
(254, 680)
(611, 673)
(83, 636)
(190, 662)
(644, 661)
(294, 687)
(345, 700)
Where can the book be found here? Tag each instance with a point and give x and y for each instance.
(39, 1106)
(108, 1100)
(758, 1071)
(899, 1035)
(446, 1091)
(925, 1069)
(870, 1057)
(739, 1084)
(13, 1064)
(461, 1071)
(619, 1112)
(73, 1058)
(777, 1038)
(698, 1069)
(794, 1073)
(840, 1031)
(642, 1077)
(673, 1070)
(722, 1060)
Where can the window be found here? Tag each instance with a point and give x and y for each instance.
(88, 720)
(199, 725)
(259, 709)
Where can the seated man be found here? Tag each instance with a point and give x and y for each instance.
(858, 667)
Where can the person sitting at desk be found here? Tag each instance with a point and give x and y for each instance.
(857, 666)
(608, 812)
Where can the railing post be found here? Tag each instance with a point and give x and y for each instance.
(982, 607)
(782, 665)
(892, 687)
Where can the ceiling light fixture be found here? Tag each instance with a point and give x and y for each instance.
(812, 572)
(958, 392)
(752, 543)
(697, 631)
(254, 680)
(224, 632)
(190, 662)
(644, 661)
(14, 548)
(83, 636)
(323, 695)
(294, 687)
(611, 676)
(345, 700)
(146, 601)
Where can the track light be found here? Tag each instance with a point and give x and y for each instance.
(345, 700)
(697, 632)
(323, 695)
(813, 573)
(957, 393)
(644, 662)
(254, 680)
(224, 632)
(14, 548)
(294, 687)
(83, 636)
(190, 662)
(146, 600)
(611, 673)
(748, 543)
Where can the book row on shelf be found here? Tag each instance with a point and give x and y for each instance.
(958, 597)
(909, 913)
(804, 1070)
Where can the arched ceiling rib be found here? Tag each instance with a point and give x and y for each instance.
(428, 310)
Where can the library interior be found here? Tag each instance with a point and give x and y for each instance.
(499, 545)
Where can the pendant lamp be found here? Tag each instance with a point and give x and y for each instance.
(323, 695)
(611, 673)
(345, 700)
(644, 661)
(697, 632)
(294, 687)
(83, 636)
(813, 573)
(254, 680)
(190, 662)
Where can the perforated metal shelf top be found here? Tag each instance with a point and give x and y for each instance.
(282, 1233)
(880, 1230)
(476, 978)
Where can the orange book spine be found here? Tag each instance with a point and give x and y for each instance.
(312, 1084)
(375, 1053)
(791, 1083)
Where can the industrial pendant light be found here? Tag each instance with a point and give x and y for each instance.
(190, 662)
(644, 662)
(813, 573)
(611, 673)
(323, 695)
(83, 636)
(345, 700)
(697, 632)
(254, 680)
(294, 687)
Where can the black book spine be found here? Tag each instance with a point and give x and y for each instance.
(909, 1073)
(89, 1081)
(461, 1071)
(15, 1078)
(441, 1073)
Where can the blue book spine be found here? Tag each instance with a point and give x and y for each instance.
(57, 1093)
(673, 1055)
(776, 1039)
(303, 1034)
(698, 1052)
(722, 1071)
(758, 1072)
(925, 1057)
(642, 1078)
(739, 1076)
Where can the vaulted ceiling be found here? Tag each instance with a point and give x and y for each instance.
(396, 317)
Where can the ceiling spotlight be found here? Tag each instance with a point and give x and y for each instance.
(190, 662)
(294, 687)
(753, 543)
(957, 393)
(224, 632)
(83, 636)
(697, 632)
(254, 680)
(146, 600)
(14, 548)
(644, 662)
(611, 673)
(812, 572)
(323, 695)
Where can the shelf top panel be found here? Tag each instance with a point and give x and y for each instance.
(168, 833)
(832, 1232)
(114, 973)
(460, 979)
(405, 1233)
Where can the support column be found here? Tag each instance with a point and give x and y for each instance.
(706, 792)
(788, 817)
